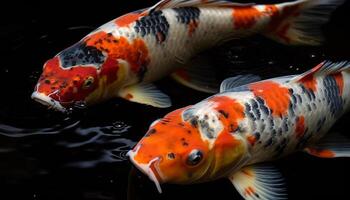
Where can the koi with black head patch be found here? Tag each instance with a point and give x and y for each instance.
(250, 122)
(123, 57)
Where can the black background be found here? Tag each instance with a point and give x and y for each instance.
(59, 162)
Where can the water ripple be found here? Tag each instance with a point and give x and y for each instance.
(12, 131)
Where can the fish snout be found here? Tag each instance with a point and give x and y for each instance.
(151, 169)
(47, 101)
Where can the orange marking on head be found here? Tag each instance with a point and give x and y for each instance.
(322, 153)
(300, 126)
(136, 53)
(340, 82)
(192, 26)
(245, 17)
(172, 135)
(169, 129)
(54, 78)
(276, 96)
(127, 19)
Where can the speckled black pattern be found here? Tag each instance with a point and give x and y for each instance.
(202, 124)
(332, 93)
(155, 23)
(186, 15)
(80, 54)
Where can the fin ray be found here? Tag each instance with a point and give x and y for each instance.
(237, 81)
(146, 94)
(300, 22)
(324, 68)
(259, 182)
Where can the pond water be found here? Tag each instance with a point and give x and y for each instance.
(49, 155)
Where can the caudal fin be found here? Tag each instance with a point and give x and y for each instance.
(300, 22)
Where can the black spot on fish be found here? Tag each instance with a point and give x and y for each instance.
(151, 132)
(155, 24)
(80, 54)
(333, 97)
(171, 156)
(186, 15)
(194, 122)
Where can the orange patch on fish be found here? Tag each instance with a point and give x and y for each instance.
(192, 26)
(276, 96)
(135, 52)
(322, 153)
(170, 128)
(300, 126)
(233, 111)
(340, 82)
(245, 17)
(309, 82)
(110, 69)
(127, 19)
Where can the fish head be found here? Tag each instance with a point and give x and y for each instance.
(83, 73)
(174, 151)
(60, 88)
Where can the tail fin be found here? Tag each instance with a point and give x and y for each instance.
(300, 22)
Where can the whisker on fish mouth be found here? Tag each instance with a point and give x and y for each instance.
(48, 101)
(150, 169)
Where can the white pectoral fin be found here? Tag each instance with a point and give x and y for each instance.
(146, 94)
(332, 145)
(259, 182)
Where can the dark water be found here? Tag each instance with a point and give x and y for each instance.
(47, 155)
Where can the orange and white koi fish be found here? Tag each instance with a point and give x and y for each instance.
(231, 133)
(123, 57)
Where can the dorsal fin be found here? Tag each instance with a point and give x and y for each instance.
(198, 3)
(237, 81)
(324, 68)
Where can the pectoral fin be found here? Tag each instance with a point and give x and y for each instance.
(331, 146)
(146, 94)
(259, 182)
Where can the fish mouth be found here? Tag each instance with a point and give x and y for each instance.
(150, 169)
(48, 101)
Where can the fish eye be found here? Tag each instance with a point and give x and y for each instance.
(88, 82)
(194, 158)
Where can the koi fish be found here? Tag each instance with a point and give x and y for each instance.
(251, 122)
(123, 57)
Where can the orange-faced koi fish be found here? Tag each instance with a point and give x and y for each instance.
(123, 57)
(233, 134)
